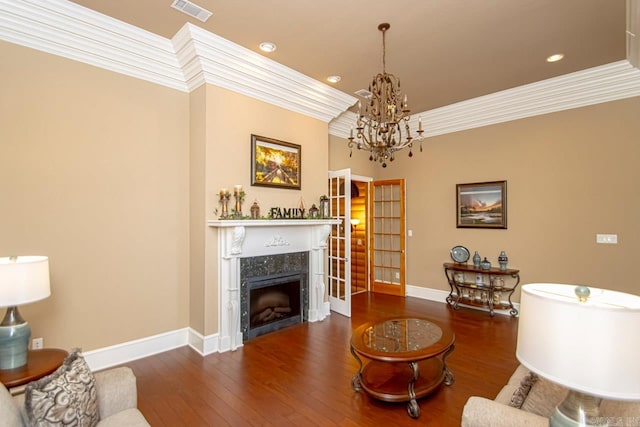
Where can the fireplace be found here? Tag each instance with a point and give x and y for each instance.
(273, 292)
(252, 250)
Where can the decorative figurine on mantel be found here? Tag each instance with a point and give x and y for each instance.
(313, 211)
(324, 207)
(502, 260)
(255, 210)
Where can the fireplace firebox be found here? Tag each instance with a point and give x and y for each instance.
(273, 293)
(274, 303)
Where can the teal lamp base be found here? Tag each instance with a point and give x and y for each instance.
(578, 409)
(14, 340)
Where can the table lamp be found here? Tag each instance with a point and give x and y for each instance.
(23, 280)
(585, 339)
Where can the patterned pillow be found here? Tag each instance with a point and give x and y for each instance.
(67, 397)
(521, 393)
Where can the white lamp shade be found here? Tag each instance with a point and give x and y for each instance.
(590, 347)
(23, 280)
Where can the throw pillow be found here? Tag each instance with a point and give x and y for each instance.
(522, 391)
(544, 397)
(67, 397)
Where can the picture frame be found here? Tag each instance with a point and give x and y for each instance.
(275, 163)
(481, 205)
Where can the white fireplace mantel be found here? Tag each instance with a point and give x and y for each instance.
(249, 238)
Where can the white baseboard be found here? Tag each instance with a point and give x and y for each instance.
(121, 353)
(426, 293)
(203, 345)
(118, 354)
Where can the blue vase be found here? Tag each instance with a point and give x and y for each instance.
(502, 260)
(476, 260)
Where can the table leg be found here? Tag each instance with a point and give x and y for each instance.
(449, 377)
(356, 381)
(412, 407)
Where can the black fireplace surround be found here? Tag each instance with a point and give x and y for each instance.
(273, 292)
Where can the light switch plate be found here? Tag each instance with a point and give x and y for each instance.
(610, 239)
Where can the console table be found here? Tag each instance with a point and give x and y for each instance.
(478, 287)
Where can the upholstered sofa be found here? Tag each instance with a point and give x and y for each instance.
(527, 400)
(117, 399)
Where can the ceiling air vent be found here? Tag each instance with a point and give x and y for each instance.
(191, 9)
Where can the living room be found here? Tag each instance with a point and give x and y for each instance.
(114, 178)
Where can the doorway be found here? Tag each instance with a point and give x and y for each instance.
(367, 249)
(359, 241)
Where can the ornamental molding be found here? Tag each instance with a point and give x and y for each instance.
(194, 57)
(191, 58)
(605, 83)
(276, 240)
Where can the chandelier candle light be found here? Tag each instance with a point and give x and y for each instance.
(379, 128)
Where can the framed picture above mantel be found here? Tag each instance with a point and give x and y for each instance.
(481, 205)
(275, 163)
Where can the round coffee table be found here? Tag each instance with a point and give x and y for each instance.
(406, 359)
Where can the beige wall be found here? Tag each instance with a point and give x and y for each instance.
(197, 206)
(341, 157)
(231, 118)
(94, 174)
(570, 175)
(113, 178)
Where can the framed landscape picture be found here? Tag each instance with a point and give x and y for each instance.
(481, 205)
(275, 163)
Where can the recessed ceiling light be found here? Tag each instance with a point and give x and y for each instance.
(555, 58)
(334, 79)
(268, 46)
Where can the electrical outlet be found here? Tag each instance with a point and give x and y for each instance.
(37, 343)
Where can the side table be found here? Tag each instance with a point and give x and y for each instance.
(40, 363)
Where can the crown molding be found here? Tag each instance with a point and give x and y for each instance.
(605, 83)
(194, 57)
(208, 58)
(67, 29)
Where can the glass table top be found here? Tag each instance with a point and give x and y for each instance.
(401, 335)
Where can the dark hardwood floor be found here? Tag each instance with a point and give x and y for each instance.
(301, 375)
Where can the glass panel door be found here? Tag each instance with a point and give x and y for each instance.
(340, 242)
(387, 237)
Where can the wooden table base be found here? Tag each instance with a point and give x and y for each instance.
(40, 363)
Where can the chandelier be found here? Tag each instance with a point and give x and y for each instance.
(383, 127)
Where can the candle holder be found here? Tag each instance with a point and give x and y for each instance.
(239, 196)
(224, 203)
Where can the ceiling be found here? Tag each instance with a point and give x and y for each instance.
(443, 51)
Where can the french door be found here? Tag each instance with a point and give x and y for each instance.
(387, 225)
(339, 275)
